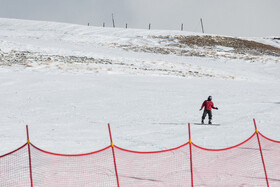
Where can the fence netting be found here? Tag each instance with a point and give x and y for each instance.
(271, 153)
(240, 165)
(93, 169)
(14, 168)
(162, 168)
(236, 166)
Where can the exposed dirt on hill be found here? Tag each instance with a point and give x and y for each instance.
(205, 46)
(239, 45)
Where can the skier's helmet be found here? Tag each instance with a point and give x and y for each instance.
(210, 98)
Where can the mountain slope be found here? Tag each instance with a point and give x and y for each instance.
(68, 81)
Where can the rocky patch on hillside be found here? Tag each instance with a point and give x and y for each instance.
(206, 46)
(33, 60)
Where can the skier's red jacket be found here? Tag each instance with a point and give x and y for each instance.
(208, 105)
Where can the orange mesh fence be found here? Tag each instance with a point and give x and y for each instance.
(161, 168)
(250, 163)
(240, 165)
(271, 153)
(91, 169)
(14, 168)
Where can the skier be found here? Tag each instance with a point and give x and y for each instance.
(208, 105)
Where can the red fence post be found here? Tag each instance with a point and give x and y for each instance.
(257, 133)
(113, 151)
(191, 162)
(29, 154)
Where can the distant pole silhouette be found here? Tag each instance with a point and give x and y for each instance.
(149, 26)
(88, 24)
(113, 20)
(182, 27)
(201, 25)
(126, 25)
(103, 24)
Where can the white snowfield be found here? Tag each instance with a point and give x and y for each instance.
(68, 81)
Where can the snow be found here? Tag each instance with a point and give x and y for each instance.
(71, 80)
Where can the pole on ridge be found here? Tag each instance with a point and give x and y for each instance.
(114, 157)
(191, 162)
(29, 155)
(202, 28)
(113, 20)
(260, 147)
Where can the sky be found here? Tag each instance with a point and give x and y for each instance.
(253, 18)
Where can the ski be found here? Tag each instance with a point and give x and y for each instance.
(214, 124)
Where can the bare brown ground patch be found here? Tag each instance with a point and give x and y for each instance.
(239, 45)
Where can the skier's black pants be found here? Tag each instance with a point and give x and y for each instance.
(205, 112)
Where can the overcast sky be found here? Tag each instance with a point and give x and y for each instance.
(227, 17)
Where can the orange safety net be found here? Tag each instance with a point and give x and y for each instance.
(246, 164)
(91, 169)
(14, 168)
(240, 165)
(271, 154)
(161, 168)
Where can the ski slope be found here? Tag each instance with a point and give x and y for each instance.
(68, 81)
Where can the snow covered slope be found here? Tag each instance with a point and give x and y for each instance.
(68, 81)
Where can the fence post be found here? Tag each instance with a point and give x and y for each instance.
(191, 162)
(29, 154)
(113, 20)
(260, 147)
(202, 28)
(113, 151)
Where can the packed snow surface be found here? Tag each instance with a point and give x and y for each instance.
(68, 81)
